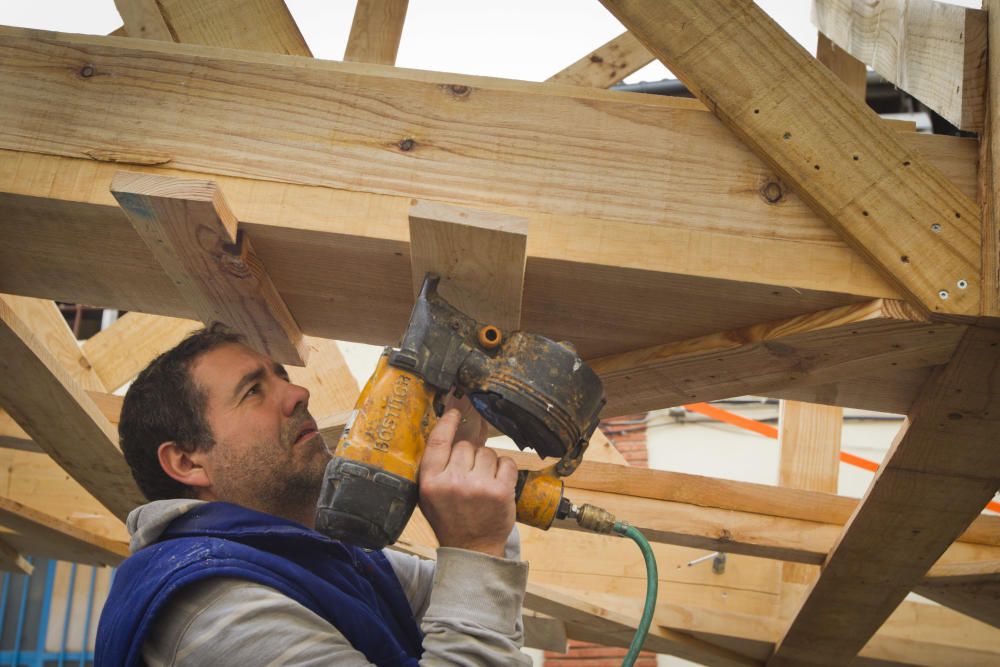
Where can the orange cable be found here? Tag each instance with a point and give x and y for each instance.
(770, 432)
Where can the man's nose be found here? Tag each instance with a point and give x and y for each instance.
(295, 395)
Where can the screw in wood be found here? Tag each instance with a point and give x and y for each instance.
(943, 294)
(936, 228)
(962, 284)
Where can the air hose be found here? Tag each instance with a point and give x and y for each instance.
(601, 521)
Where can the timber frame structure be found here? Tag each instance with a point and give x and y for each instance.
(774, 237)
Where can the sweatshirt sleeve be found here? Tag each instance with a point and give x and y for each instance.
(469, 610)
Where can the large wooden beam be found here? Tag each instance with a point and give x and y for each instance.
(891, 205)
(607, 65)
(36, 533)
(879, 337)
(971, 588)
(933, 50)
(943, 469)
(519, 162)
(59, 416)
(376, 31)
(192, 233)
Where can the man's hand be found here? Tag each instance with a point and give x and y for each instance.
(466, 491)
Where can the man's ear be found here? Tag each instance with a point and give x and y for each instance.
(185, 467)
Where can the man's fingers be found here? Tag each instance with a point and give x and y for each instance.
(463, 456)
(438, 450)
(486, 462)
(507, 470)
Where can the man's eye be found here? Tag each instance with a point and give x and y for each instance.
(255, 389)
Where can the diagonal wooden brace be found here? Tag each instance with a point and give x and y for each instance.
(193, 234)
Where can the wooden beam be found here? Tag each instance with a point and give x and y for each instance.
(809, 438)
(60, 417)
(252, 25)
(12, 561)
(119, 352)
(846, 67)
(376, 31)
(607, 65)
(971, 588)
(622, 210)
(943, 468)
(891, 205)
(933, 50)
(479, 255)
(39, 534)
(144, 19)
(191, 231)
(816, 349)
(989, 185)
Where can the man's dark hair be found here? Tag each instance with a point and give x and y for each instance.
(164, 404)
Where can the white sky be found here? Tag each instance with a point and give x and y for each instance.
(515, 39)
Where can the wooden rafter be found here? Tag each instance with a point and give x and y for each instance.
(889, 203)
(192, 233)
(944, 468)
(933, 50)
(817, 349)
(607, 65)
(376, 31)
(58, 415)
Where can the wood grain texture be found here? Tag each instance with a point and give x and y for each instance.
(714, 183)
(332, 387)
(375, 31)
(119, 352)
(844, 66)
(943, 469)
(978, 599)
(816, 349)
(989, 187)
(192, 233)
(933, 50)
(253, 25)
(36, 533)
(480, 257)
(143, 19)
(809, 440)
(607, 65)
(60, 417)
(921, 232)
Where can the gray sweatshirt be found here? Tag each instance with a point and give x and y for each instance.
(468, 607)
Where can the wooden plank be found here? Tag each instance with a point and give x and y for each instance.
(989, 188)
(371, 160)
(809, 439)
(48, 325)
(253, 25)
(933, 50)
(816, 349)
(943, 469)
(971, 588)
(479, 255)
(143, 19)
(376, 31)
(846, 67)
(600, 449)
(332, 387)
(191, 231)
(119, 352)
(894, 207)
(893, 394)
(917, 634)
(60, 417)
(12, 561)
(608, 65)
(39, 534)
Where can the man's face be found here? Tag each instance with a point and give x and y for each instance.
(268, 454)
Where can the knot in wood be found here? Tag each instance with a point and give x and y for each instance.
(458, 90)
(407, 144)
(87, 71)
(596, 59)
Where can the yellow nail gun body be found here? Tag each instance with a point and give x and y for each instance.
(538, 392)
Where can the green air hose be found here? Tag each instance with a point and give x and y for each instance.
(601, 521)
(652, 580)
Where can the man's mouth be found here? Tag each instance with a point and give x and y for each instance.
(307, 431)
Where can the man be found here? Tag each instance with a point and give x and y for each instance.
(226, 569)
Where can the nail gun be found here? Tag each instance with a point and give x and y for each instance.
(534, 390)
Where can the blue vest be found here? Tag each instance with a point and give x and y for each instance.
(356, 591)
